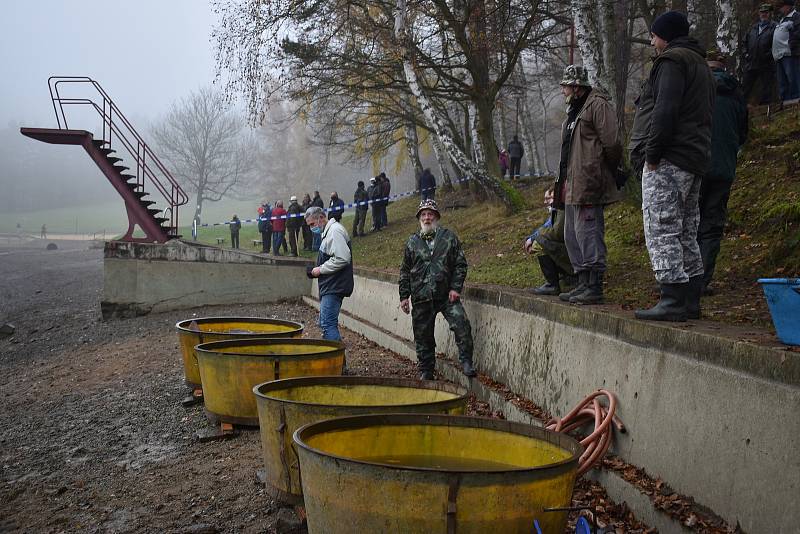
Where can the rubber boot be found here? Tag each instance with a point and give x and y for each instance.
(593, 294)
(583, 281)
(693, 294)
(468, 369)
(550, 272)
(671, 306)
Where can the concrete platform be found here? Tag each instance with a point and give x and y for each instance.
(141, 278)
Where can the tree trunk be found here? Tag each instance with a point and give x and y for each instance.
(412, 149)
(623, 23)
(590, 20)
(438, 151)
(199, 206)
(532, 145)
(728, 30)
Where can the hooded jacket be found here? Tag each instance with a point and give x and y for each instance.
(729, 127)
(683, 99)
(594, 153)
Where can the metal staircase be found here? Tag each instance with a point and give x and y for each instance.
(120, 141)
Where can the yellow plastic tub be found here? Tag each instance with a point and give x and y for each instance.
(428, 474)
(192, 332)
(286, 405)
(231, 369)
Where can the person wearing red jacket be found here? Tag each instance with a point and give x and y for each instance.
(278, 227)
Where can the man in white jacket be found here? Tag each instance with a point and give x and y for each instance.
(334, 270)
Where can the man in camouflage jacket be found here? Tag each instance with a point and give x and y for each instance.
(432, 279)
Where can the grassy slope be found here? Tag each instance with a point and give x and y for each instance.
(762, 238)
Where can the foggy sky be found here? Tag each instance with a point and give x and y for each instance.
(145, 53)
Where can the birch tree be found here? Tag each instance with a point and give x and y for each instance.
(728, 29)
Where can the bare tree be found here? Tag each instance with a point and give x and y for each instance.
(207, 147)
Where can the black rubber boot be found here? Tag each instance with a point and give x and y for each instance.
(671, 306)
(593, 294)
(550, 272)
(426, 375)
(468, 369)
(693, 294)
(583, 281)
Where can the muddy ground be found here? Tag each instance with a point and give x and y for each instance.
(93, 436)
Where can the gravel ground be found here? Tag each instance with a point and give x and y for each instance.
(93, 437)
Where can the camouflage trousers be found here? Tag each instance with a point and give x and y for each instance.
(423, 318)
(671, 216)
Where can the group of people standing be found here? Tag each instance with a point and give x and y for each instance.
(772, 52)
(691, 120)
(281, 227)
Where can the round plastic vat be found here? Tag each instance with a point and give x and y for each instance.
(286, 405)
(192, 332)
(434, 473)
(231, 369)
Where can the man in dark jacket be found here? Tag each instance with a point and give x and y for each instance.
(386, 190)
(786, 51)
(265, 227)
(361, 200)
(374, 192)
(336, 207)
(427, 185)
(293, 223)
(235, 225)
(515, 153)
(759, 65)
(590, 153)
(307, 235)
(334, 270)
(677, 155)
(728, 134)
(316, 202)
(432, 279)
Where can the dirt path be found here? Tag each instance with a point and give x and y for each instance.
(93, 437)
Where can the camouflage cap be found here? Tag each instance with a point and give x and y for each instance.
(575, 75)
(428, 204)
(763, 8)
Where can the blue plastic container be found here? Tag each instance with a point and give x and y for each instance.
(783, 298)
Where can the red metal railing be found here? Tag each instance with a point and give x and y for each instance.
(117, 130)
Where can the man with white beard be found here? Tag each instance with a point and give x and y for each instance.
(431, 281)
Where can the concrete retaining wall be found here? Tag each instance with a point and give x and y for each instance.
(142, 278)
(715, 418)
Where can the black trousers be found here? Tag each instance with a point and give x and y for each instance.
(235, 240)
(516, 163)
(307, 237)
(714, 194)
(765, 78)
(266, 241)
(293, 232)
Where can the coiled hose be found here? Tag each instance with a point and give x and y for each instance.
(587, 411)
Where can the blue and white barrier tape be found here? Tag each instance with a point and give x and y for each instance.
(329, 209)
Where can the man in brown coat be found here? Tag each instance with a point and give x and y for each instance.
(586, 184)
